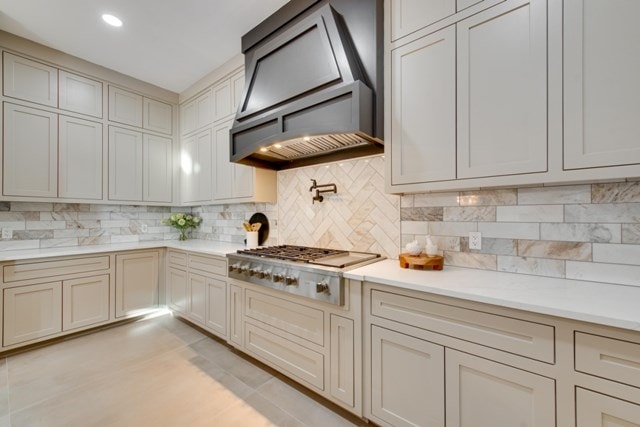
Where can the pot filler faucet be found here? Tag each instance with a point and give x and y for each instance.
(318, 197)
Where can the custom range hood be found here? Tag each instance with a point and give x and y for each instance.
(313, 86)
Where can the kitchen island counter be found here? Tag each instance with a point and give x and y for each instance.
(600, 303)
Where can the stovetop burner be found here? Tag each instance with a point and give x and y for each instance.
(292, 253)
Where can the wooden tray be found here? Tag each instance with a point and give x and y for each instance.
(421, 261)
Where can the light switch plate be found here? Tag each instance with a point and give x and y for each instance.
(475, 240)
(7, 233)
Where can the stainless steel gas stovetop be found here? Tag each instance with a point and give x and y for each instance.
(314, 273)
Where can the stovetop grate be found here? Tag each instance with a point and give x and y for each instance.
(292, 253)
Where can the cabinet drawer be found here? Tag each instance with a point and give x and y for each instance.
(177, 258)
(298, 361)
(207, 264)
(524, 338)
(608, 358)
(296, 319)
(37, 270)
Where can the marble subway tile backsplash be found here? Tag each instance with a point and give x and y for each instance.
(223, 223)
(48, 225)
(588, 232)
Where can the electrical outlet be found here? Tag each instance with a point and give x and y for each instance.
(7, 233)
(144, 228)
(475, 240)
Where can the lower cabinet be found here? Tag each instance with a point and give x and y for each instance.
(197, 289)
(407, 379)
(235, 315)
(342, 371)
(32, 312)
(480, 392)
(85, 302)
(598, 410)
(136, 282)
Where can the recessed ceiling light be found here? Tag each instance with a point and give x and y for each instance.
(112, 20)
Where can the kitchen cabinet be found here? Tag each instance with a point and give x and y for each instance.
(79, 94)
(125, 164)
(601, 89)
(423, 109)
(196, 168)
(137, 283)
(29, 80)
(235, 315)
(85, 302)
(237, 86)
(408, 16)
(157, 169)
(197, 113)
(30, 138)
(502, 90)
(197, 298)
(31, 312)
(197, 289)
(140, 166)
(80, 159)
(222, 101)
(342, 370)
(407, 380)
(599, 410)
(125, 107)
(481, 392)
(157, 116)
(177, 298)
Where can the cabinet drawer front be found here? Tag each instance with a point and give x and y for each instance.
(296, 319)
(302, 363)
(608, 358)
(515, 336)
(597, 410)
(37, 270)
(210, 265)
(177, 258)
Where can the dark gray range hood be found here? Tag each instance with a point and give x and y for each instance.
(313, 89)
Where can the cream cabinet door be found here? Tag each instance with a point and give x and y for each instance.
(125, 107)
(32, 312)
(125, 164)
(480, 392)
(217, 306)
(601, 85)
(222, 101)
(80, 159)
(408, 16)
(232, 181)
(30, 80)
(85, 302)
(80, 94)
(342, 372)
(423, 109)
(30, 152)
(157, 169)
(235, 316)
(187, 117)
(197, 298)
(237, 84)
(597, 410)
(502, 90)
(407, 380)
(197, 113)
(177, 298)
(157, 116)
(196, 168)
(136, 282)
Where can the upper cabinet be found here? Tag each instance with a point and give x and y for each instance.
(196, 114)
(408, 16)
(601, 84)
(125, 107)
(157, 116)
(30, 80)
(80, 94)
(80, 159)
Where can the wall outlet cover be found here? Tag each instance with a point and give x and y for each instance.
(475, 240)
(7, 233)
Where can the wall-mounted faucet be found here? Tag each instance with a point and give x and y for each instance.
(318, 197)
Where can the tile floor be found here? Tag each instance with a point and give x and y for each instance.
(153, 372)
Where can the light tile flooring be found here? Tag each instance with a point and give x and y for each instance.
(153, 372)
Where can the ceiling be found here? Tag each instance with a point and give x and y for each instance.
(169, 43)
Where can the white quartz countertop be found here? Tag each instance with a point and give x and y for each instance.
(602, 303)
(201, 246)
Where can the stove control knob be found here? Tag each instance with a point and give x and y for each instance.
(253, 271)
(291, 281)
(278, 277)
(234, 267)
(322, 288)
(259, 274)
(244, 270)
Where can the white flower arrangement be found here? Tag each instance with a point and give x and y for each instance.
(183, 222)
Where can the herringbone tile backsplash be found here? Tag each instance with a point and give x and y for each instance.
(360, 216)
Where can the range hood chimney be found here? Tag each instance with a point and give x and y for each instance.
(313, 85)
